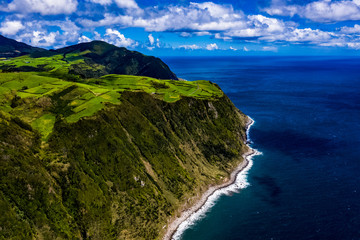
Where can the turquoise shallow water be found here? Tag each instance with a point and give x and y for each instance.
(306, 185)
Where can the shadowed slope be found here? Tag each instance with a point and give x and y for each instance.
(12, 48)
(119, 60)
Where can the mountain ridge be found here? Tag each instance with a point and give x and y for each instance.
(13, 48)
(94, 59)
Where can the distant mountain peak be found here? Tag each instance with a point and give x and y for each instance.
(112, 59)
(119, 60)
(12, 48)
(96, 46)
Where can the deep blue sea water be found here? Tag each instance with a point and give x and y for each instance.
(306, 185)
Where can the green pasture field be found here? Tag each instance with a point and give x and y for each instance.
(38, 99)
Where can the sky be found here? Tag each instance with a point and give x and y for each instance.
(189, 28)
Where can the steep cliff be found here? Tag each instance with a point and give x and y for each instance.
(120, 173)
(113, 157)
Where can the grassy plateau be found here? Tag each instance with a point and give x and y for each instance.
(38, 98)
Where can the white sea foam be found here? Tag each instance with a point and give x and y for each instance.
(248, 129)
(240, 182)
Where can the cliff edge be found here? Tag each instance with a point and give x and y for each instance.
(112, 157)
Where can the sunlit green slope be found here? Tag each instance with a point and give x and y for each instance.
(39, 99)
(109, 156)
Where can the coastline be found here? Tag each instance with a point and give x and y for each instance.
(174, 226)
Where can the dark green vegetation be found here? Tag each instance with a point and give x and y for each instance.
(12, 48)
(84, 60)
(115, 60)
(113, 157)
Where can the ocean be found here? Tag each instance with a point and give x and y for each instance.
(306, 183)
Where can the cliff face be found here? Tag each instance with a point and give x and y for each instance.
(86, 155)
(119, 174)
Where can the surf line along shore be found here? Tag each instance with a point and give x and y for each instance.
(236, 182)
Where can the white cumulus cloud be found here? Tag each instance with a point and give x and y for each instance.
(306, 35)
(185, 34)
(319, 11)
(270, 49)
(102, 2)
(11, 27)
(217, 20)
(220, 22)
(115, 37)
(151, 39)
(44, 7)
(39, 38)
(68, 34)
(327, 11)
(83, 39)
(126, 4)
(351, 30)
(190, 47)
(198, 19)
(212, 46)
(353, 45)
(153, 43)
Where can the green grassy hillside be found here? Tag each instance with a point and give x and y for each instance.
(110, 156)
(39, 99)
(86, 60)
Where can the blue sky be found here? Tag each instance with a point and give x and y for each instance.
(162, 27)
